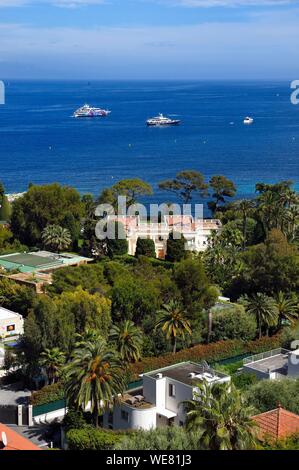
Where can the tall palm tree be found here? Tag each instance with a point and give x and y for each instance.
(128, 339)
(286, 306)
(220, 417)
(173, 322)
(264, 310)
(94, 377)
(245, 207)
(53, 360)
(56, 237)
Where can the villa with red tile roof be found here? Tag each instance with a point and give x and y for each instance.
(11, 440)
(196, 232)
(277, 424)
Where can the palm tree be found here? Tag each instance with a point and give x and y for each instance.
(264, 310)
(128, 339)
(94, 377)
(56, 238)
(53, 360)
(173, 322)
(220, 417)
(292, 221)
(286, 306)
(90, 335)
(245, 207)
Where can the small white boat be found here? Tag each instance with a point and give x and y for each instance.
(248, 120)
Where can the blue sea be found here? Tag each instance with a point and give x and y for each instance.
(40, 141)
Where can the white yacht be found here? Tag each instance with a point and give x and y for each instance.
(162, 121)
(248, 120)
(89, 111)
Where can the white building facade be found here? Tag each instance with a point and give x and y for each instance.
(11, 324)
(159, 401)
(195, 232)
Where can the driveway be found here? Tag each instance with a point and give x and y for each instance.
(13, 395)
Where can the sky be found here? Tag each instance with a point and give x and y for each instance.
(149, 39)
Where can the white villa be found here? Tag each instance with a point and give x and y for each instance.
(158, 402)
(195, 232)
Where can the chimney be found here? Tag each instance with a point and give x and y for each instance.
(159, 375)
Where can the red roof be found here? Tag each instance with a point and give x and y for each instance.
(15, 441)
(277, 423)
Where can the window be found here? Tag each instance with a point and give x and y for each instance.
(10, 328)
(181, 423)
(172, 390)
(125, 415)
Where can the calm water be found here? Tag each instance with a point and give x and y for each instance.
(40, 142)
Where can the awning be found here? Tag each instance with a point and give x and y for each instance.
(167, 413)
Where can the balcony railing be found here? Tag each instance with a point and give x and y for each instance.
(264, 355)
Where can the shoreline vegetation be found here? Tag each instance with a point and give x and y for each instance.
(96, 327)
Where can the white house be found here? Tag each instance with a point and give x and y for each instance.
(158, 402)
(11, 323)
(276, 364)
(196, 232)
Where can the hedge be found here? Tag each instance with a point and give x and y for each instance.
(47, 394)
(212, 352)
(90, 438)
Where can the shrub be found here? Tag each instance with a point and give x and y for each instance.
(47, 394)
(145, 247)
(244, 381)
(175, 248)
(267, 394)
(232, 322)
(165, 438)
(90, 438)
(210, 352)
(89, 277)
(74, 419)
(288, 443)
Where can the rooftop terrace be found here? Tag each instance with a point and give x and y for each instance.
(270, 361)
(188, 373)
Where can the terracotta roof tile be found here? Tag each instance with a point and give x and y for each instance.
(277, 423)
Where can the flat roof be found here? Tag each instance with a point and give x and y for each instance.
(8, 314)
(182, 373)
(39, 261)
(274, 363)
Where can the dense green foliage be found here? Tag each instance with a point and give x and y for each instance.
(232, 322)
(267, 394)
(175, 248)
(54, 322)
(46, 205)
(167, 438)
(221, 417)
(90, 438)
(145, 247)
(47, 394)
(16, 297)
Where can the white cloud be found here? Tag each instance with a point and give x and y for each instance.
(207, 50)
